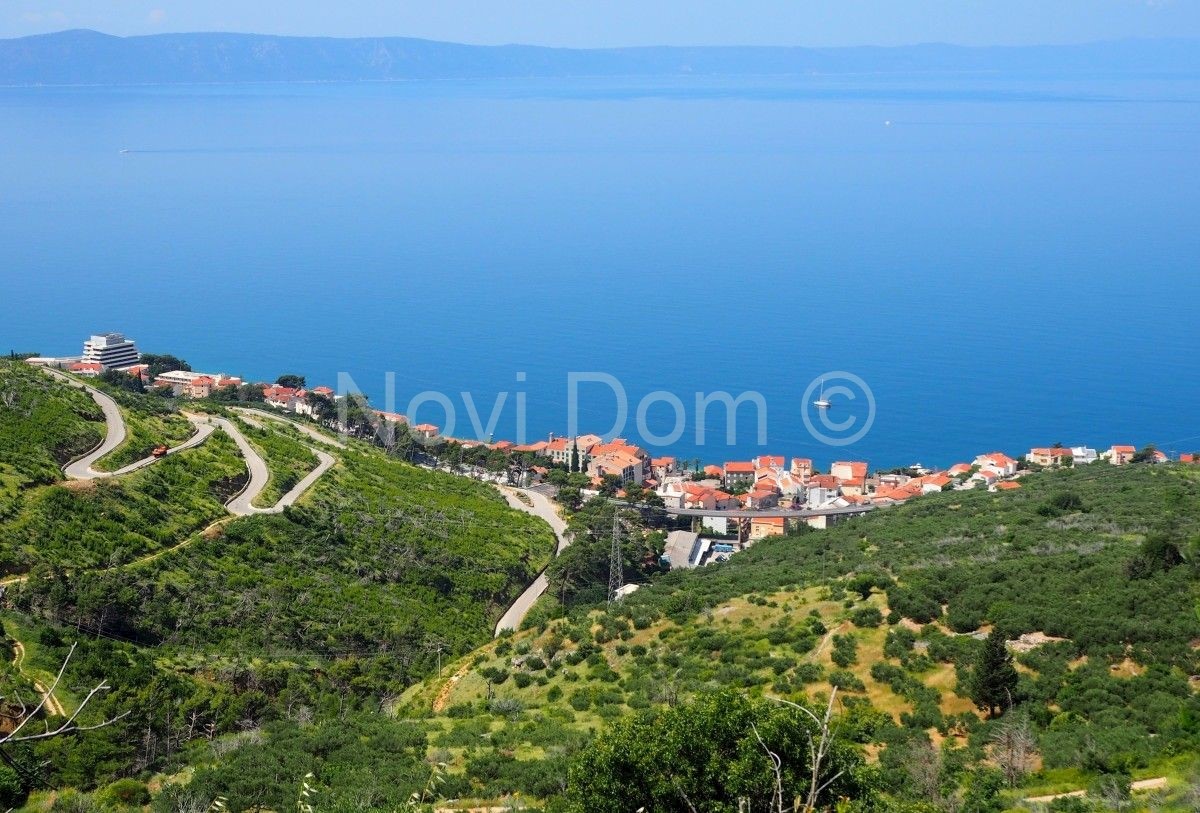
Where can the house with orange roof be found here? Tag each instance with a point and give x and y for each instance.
(1006, 485)
(849, 470)
(427, 431)
(199, 387)
(789, 485)
(856, 486)
(998, 462)
(1120, 455)
(761, 498)
(141, 371)
(87, 369)
(737, 473)
(531, 448)
(571, 452)
(959, 469)
(762, 527)
(934, 483)
(768, 461)
(714, 471)
(662, 466)
(621, 463)
(704, 499)
(987, 476)
(1187, 458)
(801, 467)
(1050, 456)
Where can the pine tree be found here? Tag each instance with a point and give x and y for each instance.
(994, 680)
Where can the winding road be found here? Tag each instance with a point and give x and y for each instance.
(321, 437)
(114, 436)
(242, 504)
(539, 506)
(115, 433)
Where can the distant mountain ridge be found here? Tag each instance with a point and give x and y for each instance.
(92, 58)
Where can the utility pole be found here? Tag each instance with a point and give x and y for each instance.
(616, 565)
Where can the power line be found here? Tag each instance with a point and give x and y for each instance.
(616, 563)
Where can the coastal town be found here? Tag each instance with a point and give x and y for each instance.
(732, 504)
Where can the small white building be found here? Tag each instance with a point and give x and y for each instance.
(1082, 455)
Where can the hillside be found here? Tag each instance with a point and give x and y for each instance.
(881, 608)
(90, 58)
(208, 625)
(348, 636)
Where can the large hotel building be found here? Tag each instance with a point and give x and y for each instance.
(110, 350)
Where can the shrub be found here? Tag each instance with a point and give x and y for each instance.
(866, 617)
(124, 793)
(843, 679)
(845, 651)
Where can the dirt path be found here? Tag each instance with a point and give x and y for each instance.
(1157, 783)
(443, 695)
(53, 705)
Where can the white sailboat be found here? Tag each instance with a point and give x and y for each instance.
(821, 403)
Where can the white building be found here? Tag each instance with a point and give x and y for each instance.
(110, 350)
(1082, 455)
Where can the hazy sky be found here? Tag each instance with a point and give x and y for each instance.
(584, 23)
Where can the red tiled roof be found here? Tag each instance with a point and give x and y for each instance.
(739, 467)
(1008, 485)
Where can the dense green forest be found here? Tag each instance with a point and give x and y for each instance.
(972, 649)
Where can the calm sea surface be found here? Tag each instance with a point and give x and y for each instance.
(1004, 262)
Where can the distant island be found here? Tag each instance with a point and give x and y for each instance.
(83, 57)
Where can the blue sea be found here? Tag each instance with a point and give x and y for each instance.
(1003, 262)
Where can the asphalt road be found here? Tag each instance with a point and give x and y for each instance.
(114, 436)
(243, 504)
(305, 428)
(544, 509)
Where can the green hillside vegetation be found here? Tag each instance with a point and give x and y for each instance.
(44, 424)
(350, 637)
(104, 523)
(149, 423)
(268, 640)
(880, 607)
(287, 456)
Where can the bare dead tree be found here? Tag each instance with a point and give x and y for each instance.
(818, 750)
(70, 725)
(1013, 748)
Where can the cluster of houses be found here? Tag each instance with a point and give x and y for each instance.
(113, 351)
(763, 483)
